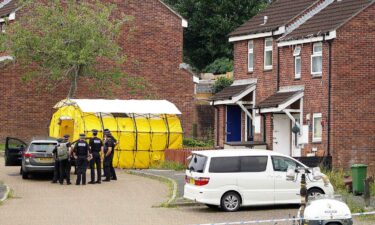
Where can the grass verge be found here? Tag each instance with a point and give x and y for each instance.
(168, 165)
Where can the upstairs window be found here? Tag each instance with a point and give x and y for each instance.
(297, 62)
(250, 63)
(316, 59)
(268, 54)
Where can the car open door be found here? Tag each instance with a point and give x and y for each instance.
(13, 151)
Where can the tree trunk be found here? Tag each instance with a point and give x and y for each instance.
(73, 83)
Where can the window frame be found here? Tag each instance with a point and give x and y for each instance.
(317, 54)
(268, 49)
(298, 164)
(297, 56)
(316, 139)
(250, 51)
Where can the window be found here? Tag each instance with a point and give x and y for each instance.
(42, 147)
(225, 165)
(316, 59)
(197, 163)
(250, 64)
(317, 127)
(253, 163)
(297, 62)
(282, 164)
(268, 54)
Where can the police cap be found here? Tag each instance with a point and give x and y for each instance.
(66, 136)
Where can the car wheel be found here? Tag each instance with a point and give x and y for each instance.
(230, 202)
(212, 206)
(314, 192)
(25, 175)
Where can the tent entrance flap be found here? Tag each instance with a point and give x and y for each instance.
(142, 138)
(66, 127)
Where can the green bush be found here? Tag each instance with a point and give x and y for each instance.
(221, 83)
(191, 142)
(336, 178)
(219, 66)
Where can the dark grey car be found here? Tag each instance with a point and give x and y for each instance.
(38, 157)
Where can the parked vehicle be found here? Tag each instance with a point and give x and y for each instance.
(232, 178)
(14, 149)
(37, 157)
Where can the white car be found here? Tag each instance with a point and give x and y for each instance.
(232, 178)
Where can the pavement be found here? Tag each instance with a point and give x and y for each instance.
(131, 200)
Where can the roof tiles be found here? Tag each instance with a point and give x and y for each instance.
(279, 14)
(329, 19)
(8, 8)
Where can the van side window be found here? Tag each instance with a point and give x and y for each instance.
(253, 163)
(281, 163)
(224, 165)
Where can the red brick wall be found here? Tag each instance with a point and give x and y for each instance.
(220, 123)
(154, 52)
(266, 79)
(316, 89)
(353, 92)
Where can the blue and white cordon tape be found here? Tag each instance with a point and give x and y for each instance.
(275, 220)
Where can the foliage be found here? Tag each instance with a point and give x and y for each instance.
(219, 66)
(336, 177)
(57, 41)
(2, 147)
(210, 22)
(168, 165)
(191, 142)
(221, 83)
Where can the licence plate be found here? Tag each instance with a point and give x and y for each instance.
(192, 181)
(45, 159)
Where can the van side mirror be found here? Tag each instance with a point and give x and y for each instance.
(291, 173)
(317, 175)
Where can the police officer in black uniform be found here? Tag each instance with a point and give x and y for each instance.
(81, 153)
(109, 145)
(68, 164)
(96, 146)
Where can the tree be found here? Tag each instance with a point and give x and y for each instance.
(210, 22)
(59, 40)
(221, 83)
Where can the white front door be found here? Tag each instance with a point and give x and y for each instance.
(281, 134)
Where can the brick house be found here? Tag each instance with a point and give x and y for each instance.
(154, 45)
(304, 82)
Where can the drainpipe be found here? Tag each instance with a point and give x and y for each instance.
(278, 68)
(264, 128)
(329, 97)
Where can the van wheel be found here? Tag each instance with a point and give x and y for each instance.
(314, 192)
(230, 202)
(25, 175)
(212, 206)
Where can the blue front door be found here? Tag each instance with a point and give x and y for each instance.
(233, 123)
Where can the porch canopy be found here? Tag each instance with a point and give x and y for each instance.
(283, 101)
(241, 93)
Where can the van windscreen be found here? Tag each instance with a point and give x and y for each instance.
(197, 163)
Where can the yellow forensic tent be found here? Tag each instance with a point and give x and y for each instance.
(143, 128)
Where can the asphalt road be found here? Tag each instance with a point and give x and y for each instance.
(129, 200)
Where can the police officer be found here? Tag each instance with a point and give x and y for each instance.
(56, 166)
(63, 155)
(81, 154)
(96, 146)
(69, 162)
(109, 145)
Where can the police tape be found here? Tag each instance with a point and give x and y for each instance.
(276, 220)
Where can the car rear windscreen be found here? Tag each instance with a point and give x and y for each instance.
(42, 147)
(238, 164)
(197, 163)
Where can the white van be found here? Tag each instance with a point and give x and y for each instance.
(232, 178)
